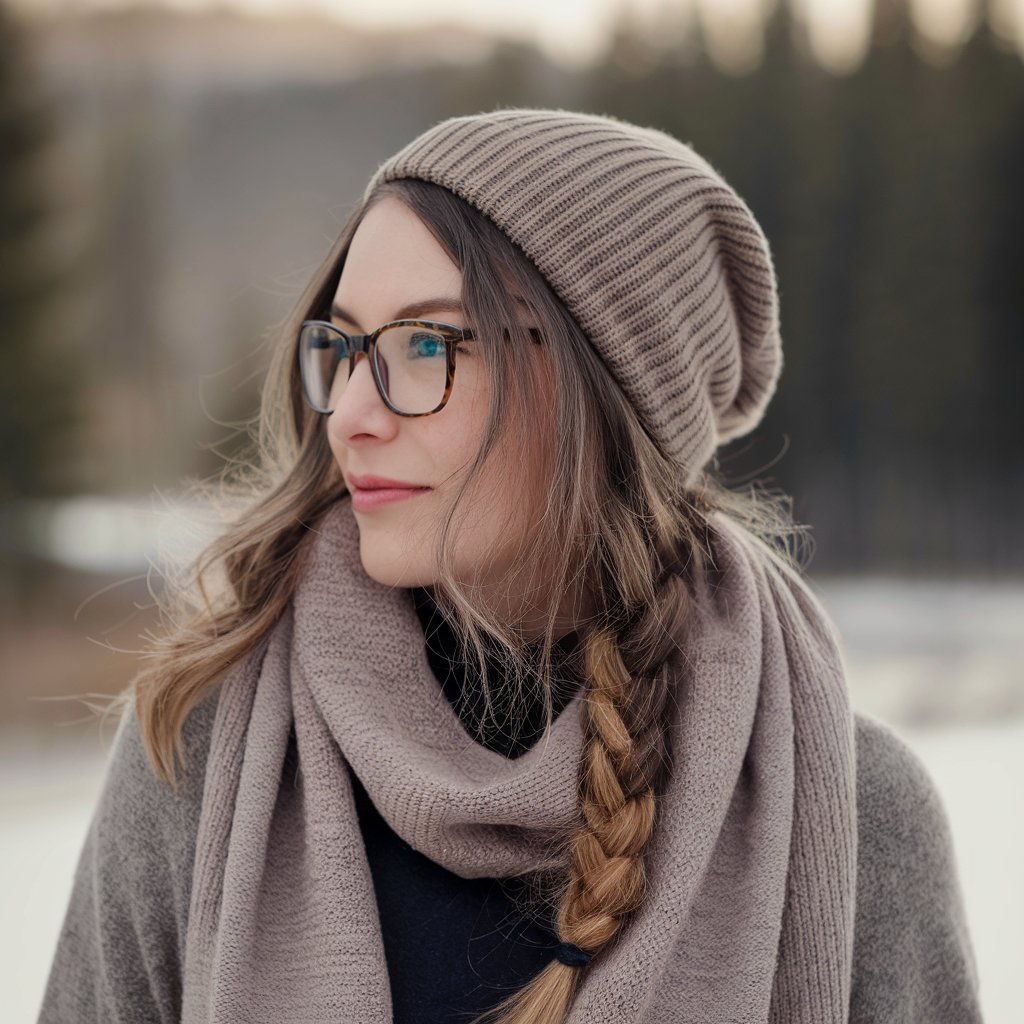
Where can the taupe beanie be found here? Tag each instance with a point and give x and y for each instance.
(658, 259)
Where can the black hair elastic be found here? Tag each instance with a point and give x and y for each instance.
(571, 954)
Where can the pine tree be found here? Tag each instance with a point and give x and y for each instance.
(39, 384)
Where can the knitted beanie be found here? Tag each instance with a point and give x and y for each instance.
(659, 261)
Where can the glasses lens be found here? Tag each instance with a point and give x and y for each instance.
(413, 367)
(321, 352)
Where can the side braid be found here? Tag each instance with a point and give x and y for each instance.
(624, 766)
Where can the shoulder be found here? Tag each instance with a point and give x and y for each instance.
(899, 809)
(913, 960)
(142, 827)
(119, 953)
(130, 774)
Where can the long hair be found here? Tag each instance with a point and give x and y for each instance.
(609, 517)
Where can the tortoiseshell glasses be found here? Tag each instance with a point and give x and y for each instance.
(412, 361)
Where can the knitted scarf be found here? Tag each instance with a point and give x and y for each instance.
(749, 914)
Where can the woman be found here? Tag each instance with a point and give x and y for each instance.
(500, 701)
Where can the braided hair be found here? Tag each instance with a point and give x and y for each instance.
(632, 663)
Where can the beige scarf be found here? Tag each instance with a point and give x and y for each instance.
(752, 870)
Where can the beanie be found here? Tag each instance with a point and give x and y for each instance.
(659, 261)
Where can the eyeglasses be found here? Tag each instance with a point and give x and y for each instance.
(412, 361)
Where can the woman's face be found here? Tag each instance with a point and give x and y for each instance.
(393, 262)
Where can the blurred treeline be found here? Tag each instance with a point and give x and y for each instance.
(166, 189)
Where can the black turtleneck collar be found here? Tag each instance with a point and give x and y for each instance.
(461, 684)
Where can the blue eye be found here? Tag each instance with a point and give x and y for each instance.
(426, 346)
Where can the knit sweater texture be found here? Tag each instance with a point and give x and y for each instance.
(120, 952)
(120, 949)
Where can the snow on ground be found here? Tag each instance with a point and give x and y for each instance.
(978, 771)
(46, 803)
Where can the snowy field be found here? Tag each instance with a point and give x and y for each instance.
(943, 665)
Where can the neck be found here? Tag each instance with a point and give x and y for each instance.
(530, 622)
(517, 718)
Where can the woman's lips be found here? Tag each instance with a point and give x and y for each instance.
(365, 500)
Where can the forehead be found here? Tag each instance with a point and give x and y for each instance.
(393, 258)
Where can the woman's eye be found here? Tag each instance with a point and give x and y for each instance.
(426, 346)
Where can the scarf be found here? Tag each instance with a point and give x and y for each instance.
(751, 870)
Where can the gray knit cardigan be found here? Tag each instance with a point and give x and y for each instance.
(120, 952)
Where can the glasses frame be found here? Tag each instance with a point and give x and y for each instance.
(368, 343)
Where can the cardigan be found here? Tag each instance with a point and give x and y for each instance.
(455, 946)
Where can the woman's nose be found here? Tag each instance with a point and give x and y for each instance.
(357, 386)
(358, 409)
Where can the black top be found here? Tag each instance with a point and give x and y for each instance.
(454, 946)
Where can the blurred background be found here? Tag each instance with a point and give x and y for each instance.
(171, 174)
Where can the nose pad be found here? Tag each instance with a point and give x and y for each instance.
(369, 369)
(342, 385)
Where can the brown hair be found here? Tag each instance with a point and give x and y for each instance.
(609, 516)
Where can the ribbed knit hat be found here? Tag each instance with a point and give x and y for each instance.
(660, 262)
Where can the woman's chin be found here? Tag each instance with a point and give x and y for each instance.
(392, 567)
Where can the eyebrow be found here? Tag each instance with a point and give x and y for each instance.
(411, 311)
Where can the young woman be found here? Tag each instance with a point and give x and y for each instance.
(495, 703)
